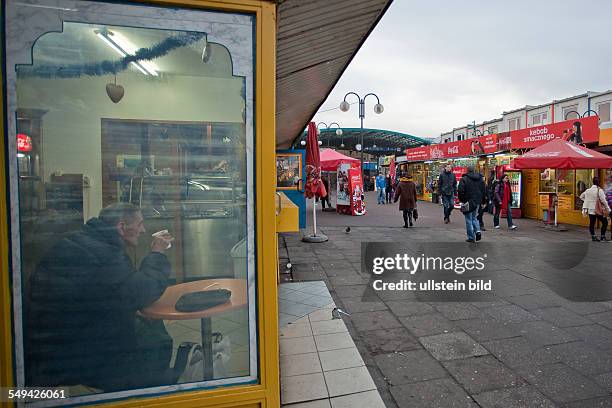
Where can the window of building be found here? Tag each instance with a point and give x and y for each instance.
(492, 129)
(570, 112)
(603, 110)
(539, 118)
(514, 124)
(133, 187)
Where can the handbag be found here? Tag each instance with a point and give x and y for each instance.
(600, 208)
(415, 214)
(465, 207)
(197, 301)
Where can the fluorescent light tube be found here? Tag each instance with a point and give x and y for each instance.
(124, 48)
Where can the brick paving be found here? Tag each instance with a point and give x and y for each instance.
(527, 347)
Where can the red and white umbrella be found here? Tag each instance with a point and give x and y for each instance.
(314, 184)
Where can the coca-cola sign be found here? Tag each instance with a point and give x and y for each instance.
(24, 143)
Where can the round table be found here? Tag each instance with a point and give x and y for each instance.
(164, 308)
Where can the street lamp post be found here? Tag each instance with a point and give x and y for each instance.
(338, 131)
(473, 126)
(378, 109)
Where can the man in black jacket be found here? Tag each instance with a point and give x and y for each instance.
(447, 188)
(82, 307)
(472, 191)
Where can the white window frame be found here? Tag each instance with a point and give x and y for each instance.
(517, 123)
(599, 105)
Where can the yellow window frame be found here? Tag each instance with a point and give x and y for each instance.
(266, 393)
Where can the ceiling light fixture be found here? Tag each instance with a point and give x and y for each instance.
(124, 47)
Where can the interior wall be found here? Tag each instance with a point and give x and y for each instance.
(72, 126)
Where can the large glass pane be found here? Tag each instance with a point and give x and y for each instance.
(130, 131)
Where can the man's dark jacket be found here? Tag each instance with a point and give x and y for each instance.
(472, 188)
(81, 308)
(447, 183)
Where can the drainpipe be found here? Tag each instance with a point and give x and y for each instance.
(553, 112)
(589, 104)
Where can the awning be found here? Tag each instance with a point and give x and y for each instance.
(316, 41)
(387, 142)
(331, 159)
(559, 154)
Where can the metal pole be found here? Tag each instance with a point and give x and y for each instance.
(556, 195)
(314, 215)
(361, 116)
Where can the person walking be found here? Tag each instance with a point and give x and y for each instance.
(405, 192)
(481, 209)
(380, 186)
(491, 184)
(389, 189)
(471, 195)
(447, 188)
(326, 200)
(596, 206)
(609, 199)
(503, 201)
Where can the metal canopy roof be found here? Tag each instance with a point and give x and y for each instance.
(387, 141)
(316, 40)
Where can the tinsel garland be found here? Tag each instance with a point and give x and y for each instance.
(107, 67)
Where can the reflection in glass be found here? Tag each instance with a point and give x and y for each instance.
(133, 194)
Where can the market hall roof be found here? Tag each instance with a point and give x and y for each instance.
(316, 41)
(387, 141)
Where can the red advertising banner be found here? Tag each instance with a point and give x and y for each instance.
(357, 198)
(418, 153)
(536, 136)
(470, 147)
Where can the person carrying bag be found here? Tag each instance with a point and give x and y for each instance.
(595, 205)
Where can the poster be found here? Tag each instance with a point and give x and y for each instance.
(356, 188)
(342, 186)
(288, 170)
(566, 202)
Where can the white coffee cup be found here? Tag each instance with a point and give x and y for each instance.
(161, 233)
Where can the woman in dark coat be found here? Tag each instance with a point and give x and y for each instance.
(406, 194)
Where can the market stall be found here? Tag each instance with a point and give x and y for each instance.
(560, 161)
(349, 186)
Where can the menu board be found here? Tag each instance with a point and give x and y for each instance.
(544, 201)
(566, 202)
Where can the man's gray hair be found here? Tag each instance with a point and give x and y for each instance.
(116, 212)
(470, 169)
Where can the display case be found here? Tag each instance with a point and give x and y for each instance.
(201, 211)
(572, 183)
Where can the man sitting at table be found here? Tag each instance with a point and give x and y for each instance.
(83, 299)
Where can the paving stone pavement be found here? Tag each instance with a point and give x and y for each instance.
(528, 347)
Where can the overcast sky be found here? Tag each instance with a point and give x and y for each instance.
(440, 64)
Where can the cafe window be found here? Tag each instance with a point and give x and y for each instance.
(131, 169)
(603, 110)
(288, 171)
(572, 183)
